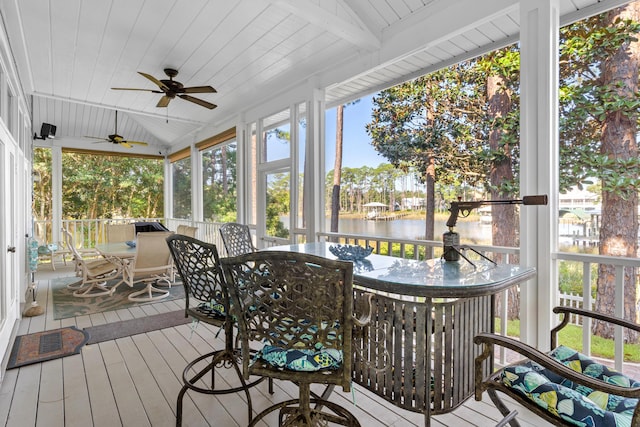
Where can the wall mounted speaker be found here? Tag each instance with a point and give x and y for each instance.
(47, 131)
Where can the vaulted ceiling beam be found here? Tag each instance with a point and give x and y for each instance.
(359, 34)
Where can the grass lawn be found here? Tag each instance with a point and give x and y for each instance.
(571, 336)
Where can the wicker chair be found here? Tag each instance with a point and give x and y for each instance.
(94, 273)
(152, 264)
(300, 306)
(237, 239)
(563, 386)
(207, 300)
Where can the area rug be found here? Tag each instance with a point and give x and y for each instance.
(47, 345)
(66, 305)
(125, 328)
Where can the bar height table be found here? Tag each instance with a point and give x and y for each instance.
(418, 352)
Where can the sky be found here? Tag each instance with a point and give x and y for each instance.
(357, 149)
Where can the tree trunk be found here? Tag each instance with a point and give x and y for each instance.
(504, 221)
(337, 171)
(430, 204)
(619, 228)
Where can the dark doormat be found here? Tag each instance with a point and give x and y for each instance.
(125, 328)
(46, 345)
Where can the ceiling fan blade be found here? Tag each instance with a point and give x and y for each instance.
(125, 144)
(164, 101)
(131, 88)
(97, 137)
(154, 80)
(198, 101)
(135, 142)
(199, 89)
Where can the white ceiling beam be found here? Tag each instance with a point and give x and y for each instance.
(359, 35)
(121, 109)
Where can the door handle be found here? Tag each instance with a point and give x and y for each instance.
(11, 249)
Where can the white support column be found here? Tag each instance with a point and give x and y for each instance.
(168, 188)
(242, 171)
(314, 165)
(539, 20)
(56, 194)
(197, 192)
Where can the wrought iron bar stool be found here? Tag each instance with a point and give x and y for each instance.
(207, 300)
(236, 238)
(300, 308)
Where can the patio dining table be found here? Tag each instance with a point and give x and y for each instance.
(418, 352)
(118, 252)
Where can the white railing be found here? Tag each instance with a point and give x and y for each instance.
(89, 232)
(620, 264)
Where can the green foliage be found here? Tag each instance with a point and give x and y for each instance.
(181, 170)
(571, 336)
(570, 277)
(219, 179)
(436, 116)
(586, 104)
(278, 201)
(100, 186)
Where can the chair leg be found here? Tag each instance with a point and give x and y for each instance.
(298, 412)
(509, 416)
(219, 359)
(152, 293)
(93, 290)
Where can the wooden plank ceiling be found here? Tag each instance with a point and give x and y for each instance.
(70, 53)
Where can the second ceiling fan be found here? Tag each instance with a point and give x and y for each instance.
(114, 138)
(172, 88)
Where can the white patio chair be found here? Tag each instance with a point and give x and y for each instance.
(151, 264)
(94, 273)
(120, 232)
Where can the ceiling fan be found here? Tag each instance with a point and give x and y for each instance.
(172, 88)
(117, 139)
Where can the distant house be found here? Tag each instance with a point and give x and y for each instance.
(579, 199)
(413, 203)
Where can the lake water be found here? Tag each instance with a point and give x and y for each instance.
(471, 232)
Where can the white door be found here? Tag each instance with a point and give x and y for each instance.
(10, 242)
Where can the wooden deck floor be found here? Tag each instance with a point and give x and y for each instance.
(134, 381)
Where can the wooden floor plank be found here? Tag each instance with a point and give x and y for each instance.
(129, 404)
(209, 405)
(25, 397)
(103, 405)
(174, 363)
(77, 406)
(155, 405)
(50, 406)
(7, 391)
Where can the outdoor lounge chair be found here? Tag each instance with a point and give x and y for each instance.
(563, 386)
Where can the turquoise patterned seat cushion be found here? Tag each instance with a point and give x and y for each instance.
(579, 405)
(212, 309)
(300, 359)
